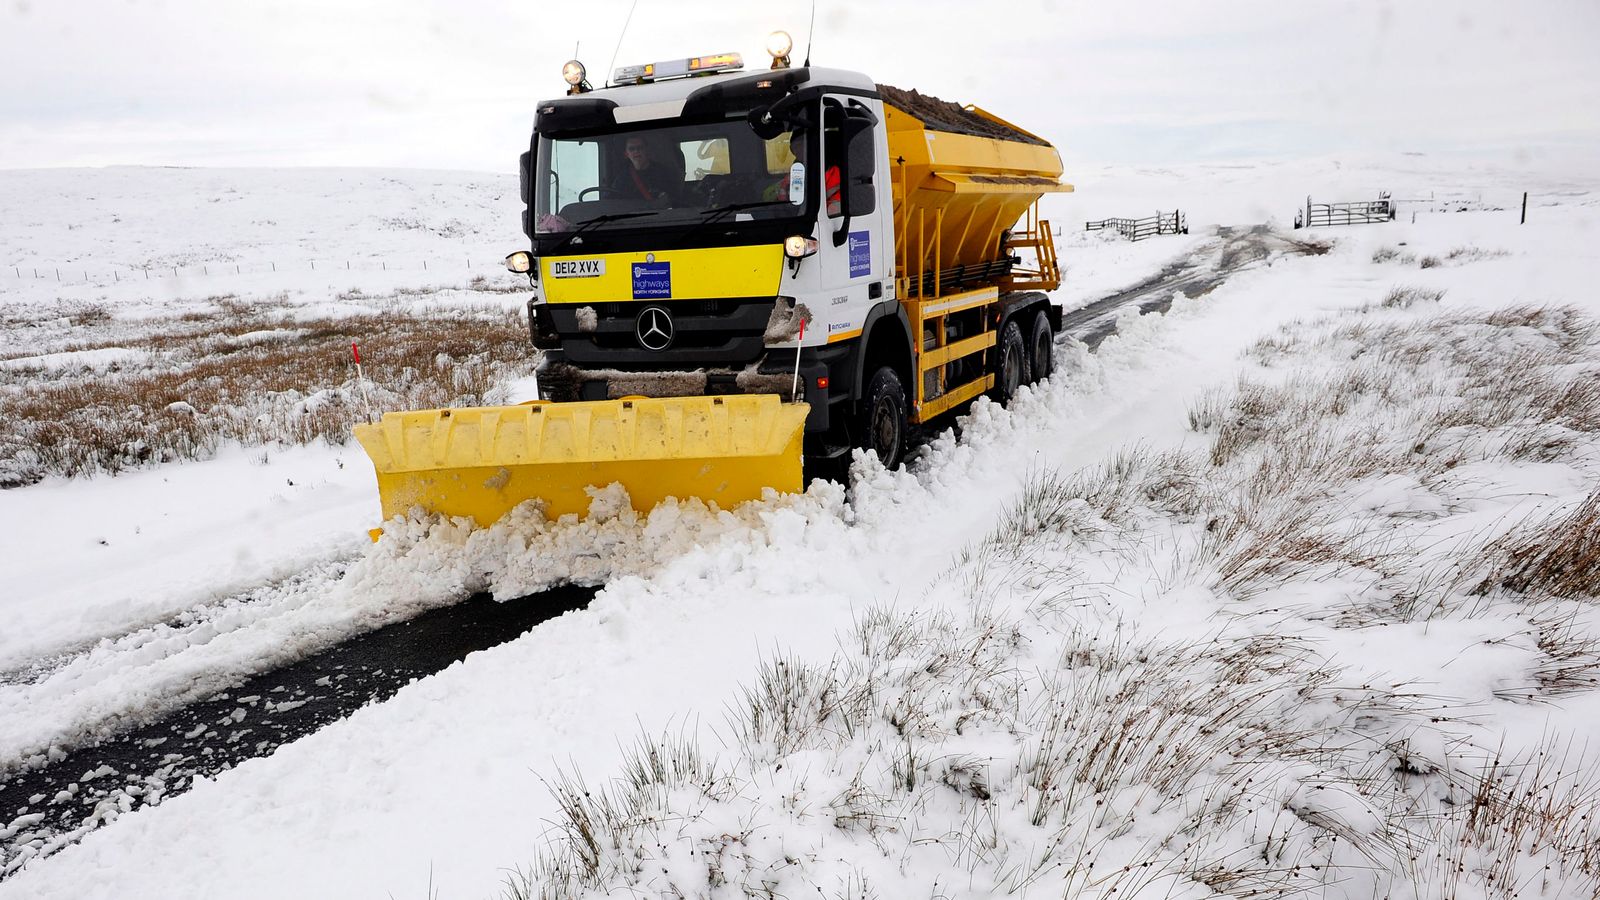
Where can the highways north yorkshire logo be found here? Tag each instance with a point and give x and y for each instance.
(654, 328)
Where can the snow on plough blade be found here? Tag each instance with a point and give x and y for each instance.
(482, 462)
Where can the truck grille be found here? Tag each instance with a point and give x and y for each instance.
(705, 332)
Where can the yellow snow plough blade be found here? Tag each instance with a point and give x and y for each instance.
(482, 462)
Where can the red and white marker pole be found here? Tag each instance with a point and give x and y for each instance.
(794, 387)
(361, 379)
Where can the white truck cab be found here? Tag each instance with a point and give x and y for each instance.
(698, 229)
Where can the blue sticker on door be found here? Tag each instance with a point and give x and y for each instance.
(652, 280)
(860, 253)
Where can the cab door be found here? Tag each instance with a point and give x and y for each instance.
(853, 252)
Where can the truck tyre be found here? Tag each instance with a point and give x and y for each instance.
(883, 417)
(1042, 349)
(1011, 368)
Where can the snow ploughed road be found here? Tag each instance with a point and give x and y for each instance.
(1103, 639)
(143, 764)
(156, 746)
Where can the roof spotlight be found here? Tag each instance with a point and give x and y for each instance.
(779, 44)
(573, 74)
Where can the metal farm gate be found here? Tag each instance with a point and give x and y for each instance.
(1174, 222)
(1361, 212)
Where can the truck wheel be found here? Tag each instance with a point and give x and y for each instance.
(1011, 370)
(1041, 356)
(883, 417)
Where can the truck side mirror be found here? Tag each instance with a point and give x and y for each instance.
(861, 163)
(857, 196)
(792, 112)
(525, 177)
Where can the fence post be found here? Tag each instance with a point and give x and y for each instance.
(1524, 209)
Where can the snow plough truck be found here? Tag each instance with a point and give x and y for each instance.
(735, 274)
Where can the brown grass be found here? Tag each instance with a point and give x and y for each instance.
(208, 386)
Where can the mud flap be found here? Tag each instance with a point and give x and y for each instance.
(482, 462)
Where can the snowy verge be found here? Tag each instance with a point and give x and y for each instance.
(1155, 678)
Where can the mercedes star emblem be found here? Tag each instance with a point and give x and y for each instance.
(654, 328)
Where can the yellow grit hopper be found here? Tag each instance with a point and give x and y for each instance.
(482, 462)
(962, 178)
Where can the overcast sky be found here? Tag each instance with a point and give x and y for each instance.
(453, 85)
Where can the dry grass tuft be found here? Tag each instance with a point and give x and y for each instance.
(1255, 548)
(1568, 328)
(1473, 254)
(1407, 297)
(1389, 254)
(1510, 812)
(1101, 499)
(1559, 557)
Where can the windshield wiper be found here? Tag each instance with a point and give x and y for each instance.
(713, 215)
(597, 220)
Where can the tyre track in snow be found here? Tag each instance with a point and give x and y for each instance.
(47, 808)
(1193, 275)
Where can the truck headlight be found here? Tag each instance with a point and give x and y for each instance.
(799, 247)
(520, 262)
(572, 73)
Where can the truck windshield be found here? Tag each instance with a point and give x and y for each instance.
(680, 174)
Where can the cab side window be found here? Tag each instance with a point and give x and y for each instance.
(833, 155)
(849, 150)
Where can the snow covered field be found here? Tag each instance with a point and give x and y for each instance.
(1182, 540)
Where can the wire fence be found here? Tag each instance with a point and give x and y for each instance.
(73, 273)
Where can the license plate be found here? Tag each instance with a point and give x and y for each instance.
(577, 268)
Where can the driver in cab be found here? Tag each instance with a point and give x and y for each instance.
(645, 178)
